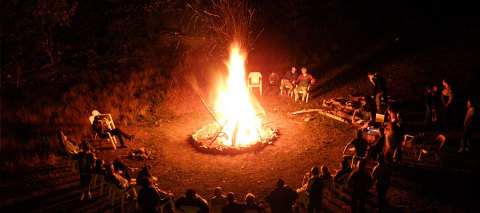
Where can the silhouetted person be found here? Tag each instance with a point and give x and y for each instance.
(379, 89)
(121, 169)
(447, 98)
(281, 198)
(150, 198)
(252, 206)
(218, 201)
(377, 147)
(344, 172)
(468, 124)
(327, 179)
(428, 102)
(315, 191)
(359, 181)
(232, 205)
(99, 127)
(100, 167)
(382, 174)
(115, 178)
(86, 161)
(145, 173)
(193, 200)
(359, 143)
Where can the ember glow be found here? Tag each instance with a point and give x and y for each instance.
(234, 106)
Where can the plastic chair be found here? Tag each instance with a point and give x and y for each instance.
(114, 191)
(70, 148)
(339, 188)
(190, 209)
(301, 92)
(409, 144)
(434, 148)
(101, 181)
(107, 118)
(255, 80)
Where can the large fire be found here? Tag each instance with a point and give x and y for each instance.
(238, 127)
(234, 107)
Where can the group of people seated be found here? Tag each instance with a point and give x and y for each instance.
(298, 83)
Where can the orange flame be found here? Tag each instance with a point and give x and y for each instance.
(234, 106)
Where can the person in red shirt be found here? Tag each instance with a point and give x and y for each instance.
(304, 81)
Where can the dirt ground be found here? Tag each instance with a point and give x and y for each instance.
(416, 187)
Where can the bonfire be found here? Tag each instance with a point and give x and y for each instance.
(238, 116)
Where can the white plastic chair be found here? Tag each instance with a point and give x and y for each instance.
(114, 191)
(300, 92)
(190, 209)
(255, 80)
(101, 181)
(107, 118)
(71, 150)
(434, 148)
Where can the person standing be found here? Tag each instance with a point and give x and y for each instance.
(304, 81)
(86, 161)
(288, 80)
(447, 97)
(315, 191)
(360, 182)
(379, 89)
(281, 198)
(467, 128)
(382, 174)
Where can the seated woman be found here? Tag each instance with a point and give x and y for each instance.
(145, 173)
(100, 168)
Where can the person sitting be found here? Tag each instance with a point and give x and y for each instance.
(99, 127)
(86, 162)
(251, 206)
(115, 178)
(121, 169)
(193, 200)
(288, 80)
(145, 173)
(150, 198)
(364, 113)
(327, 179)
(218, 201)
(304, 81)
(281, 198)
(100, 168)
(232, 205)
(360, 144)
(343, 173)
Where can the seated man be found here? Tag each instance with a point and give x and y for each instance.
(304, 81)
(364, 113)
(115, 178)
(99, 127)
(288, 81)
(193, 200)
(344, 173)
(150, 197)
(232, 205)
(218, 201)
(251, 205)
